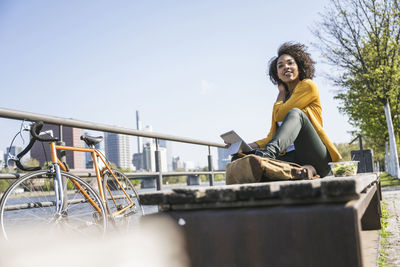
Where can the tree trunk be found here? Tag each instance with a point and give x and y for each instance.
(392, 142)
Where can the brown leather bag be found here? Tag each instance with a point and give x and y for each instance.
(254, 169)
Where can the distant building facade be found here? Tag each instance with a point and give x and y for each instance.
(138, 161)
(177, 164)
(88, 156)
(223, 159)
(149, 157)
(71, 137)
(2, 159)
(118, 150)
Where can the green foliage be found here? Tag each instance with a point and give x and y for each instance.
(174, 180)
(46, 165)
(3, 185)
(384, 233)
(217, 177)
(48, 184)
(70, 185)
(345, 149)
(135, 182)
(112, 165)
(388, 180)
(28, 162)
(361, 39)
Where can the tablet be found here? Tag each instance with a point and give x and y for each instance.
(237, 143)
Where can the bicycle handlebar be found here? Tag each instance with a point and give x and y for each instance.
(35, 133)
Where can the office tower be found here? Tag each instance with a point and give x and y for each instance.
(147, 140)
(168, 146)
(118, 150)
(139, 138)
(177, 164)
(138, 161)
(2, 163)
(223, 159)
(88, 156)
(149, 162)
(71, 137)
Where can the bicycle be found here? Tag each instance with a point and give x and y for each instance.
(54, 197)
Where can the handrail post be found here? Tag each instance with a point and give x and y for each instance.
(61, 154)
(210, 167)
(61, 132)
(158, 166)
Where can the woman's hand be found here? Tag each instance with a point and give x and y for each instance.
(253, 145)
(282, 93)
(227, 145)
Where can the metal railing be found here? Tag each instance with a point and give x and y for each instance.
(22, 115)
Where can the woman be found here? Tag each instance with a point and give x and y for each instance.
(296, 133)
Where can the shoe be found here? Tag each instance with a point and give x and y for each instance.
(261, 153)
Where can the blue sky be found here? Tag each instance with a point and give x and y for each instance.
(192, 68)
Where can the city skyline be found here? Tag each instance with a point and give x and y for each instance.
(117, 149)
(193, 69)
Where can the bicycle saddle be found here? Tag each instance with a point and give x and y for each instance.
(91, 140)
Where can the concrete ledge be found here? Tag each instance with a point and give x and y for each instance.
(326, 190)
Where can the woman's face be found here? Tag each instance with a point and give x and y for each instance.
(287, 69)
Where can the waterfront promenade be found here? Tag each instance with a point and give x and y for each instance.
(371, 239)
(391, 195)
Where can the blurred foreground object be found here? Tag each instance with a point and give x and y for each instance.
(155, 242)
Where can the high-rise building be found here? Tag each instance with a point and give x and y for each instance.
(139, 138)
(71, 137)
(138, 161)
(2, 162)
(223, 159)
(149, 158)
(88, 157)
(118, 150)
(177, 164)
(148, 140)
(168, 146)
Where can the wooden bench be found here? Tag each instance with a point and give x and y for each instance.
(290, 223)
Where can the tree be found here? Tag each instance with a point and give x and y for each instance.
(362, 39)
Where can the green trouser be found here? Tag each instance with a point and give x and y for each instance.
(297, 129)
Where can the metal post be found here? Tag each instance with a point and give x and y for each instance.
(61, 133)
(210, 167)
(62, 156)
(362, 164)
(158, 166)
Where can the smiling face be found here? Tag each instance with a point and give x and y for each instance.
(287, 69)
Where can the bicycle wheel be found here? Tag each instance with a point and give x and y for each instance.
(29, 204)
(123, 213)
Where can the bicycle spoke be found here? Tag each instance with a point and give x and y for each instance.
(31, 203)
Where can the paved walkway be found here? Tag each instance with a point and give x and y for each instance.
(391, 195)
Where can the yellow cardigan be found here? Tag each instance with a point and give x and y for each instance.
(305, 96)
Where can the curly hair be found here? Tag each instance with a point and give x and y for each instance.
(303, 60)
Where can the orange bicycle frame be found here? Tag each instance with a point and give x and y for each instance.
(95, 154)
